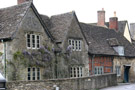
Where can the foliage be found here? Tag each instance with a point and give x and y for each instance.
(1, 53)
(42, 57)
(35, 58)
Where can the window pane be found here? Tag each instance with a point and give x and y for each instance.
(78, 72)
(79, 45)
(33, 70)
(73, 45)
(76, 43)
(28, 40)
(38, 42)
(38, 73)
(74, 72)
(95, 70)
(81, 71)
(33, 41)
(29, 74)
(69, 42)
(71, 72)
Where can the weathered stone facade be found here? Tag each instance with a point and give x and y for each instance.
(29, 24)
(85, 83)
(61, 60)
(126, 75)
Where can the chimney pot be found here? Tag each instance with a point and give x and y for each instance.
(114, 13)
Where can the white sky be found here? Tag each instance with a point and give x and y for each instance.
(86, 10)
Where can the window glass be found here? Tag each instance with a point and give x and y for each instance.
(33, 41)
(29, 74)
(33, 74)
(38, 73)
(28, 40)
(38, 41)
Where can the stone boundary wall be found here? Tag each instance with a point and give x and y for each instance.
(84, 83)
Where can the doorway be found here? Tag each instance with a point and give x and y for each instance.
(126, 73)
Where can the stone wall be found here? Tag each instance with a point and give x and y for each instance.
(122, 62)
(85, 83)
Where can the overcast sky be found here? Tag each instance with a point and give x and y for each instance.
(86, 10)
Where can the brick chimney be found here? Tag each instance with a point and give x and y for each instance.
(22, 1)
(101, 17)
(113, 22)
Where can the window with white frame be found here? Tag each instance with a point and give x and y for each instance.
(33, 41)
(99, 70)
(33, 74)
(76, 44)
(76, 71)
(117, 68)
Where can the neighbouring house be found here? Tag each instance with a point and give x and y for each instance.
(109, 51)
(132, 32)
(120, 26)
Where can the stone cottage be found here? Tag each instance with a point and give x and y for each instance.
(22, 30)
(109, 51)
(68, 35)
(36, 47)
(120, 26)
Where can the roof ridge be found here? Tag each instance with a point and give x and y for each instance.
(63, 14)
(15, 5)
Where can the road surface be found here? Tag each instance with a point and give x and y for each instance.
(121, 87)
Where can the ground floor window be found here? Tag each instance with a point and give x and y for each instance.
(99, 70)
(117, 68)
(33, 74)
(76, 71)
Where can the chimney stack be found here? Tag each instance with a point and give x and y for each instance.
(113, 22)
(101, 17)
(22, 1)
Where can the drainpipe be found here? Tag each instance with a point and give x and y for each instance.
(93, 66)
(4, 57)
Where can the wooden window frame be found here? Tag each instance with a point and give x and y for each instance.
(76, 71)
(33, 73)
(35, 41)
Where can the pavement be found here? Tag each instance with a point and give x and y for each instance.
(122, 86)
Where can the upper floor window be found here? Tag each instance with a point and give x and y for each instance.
(76, 71)
(33, 41)
(76, 44)
(119, 50)
(33, 74)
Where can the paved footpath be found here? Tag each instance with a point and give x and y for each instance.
(121, 87)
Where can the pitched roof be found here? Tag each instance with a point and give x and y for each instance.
(46, 21)
(60, 25)
(121, 25)
(10, 18)
(99, 37)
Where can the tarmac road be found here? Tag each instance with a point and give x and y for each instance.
(121, 87)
